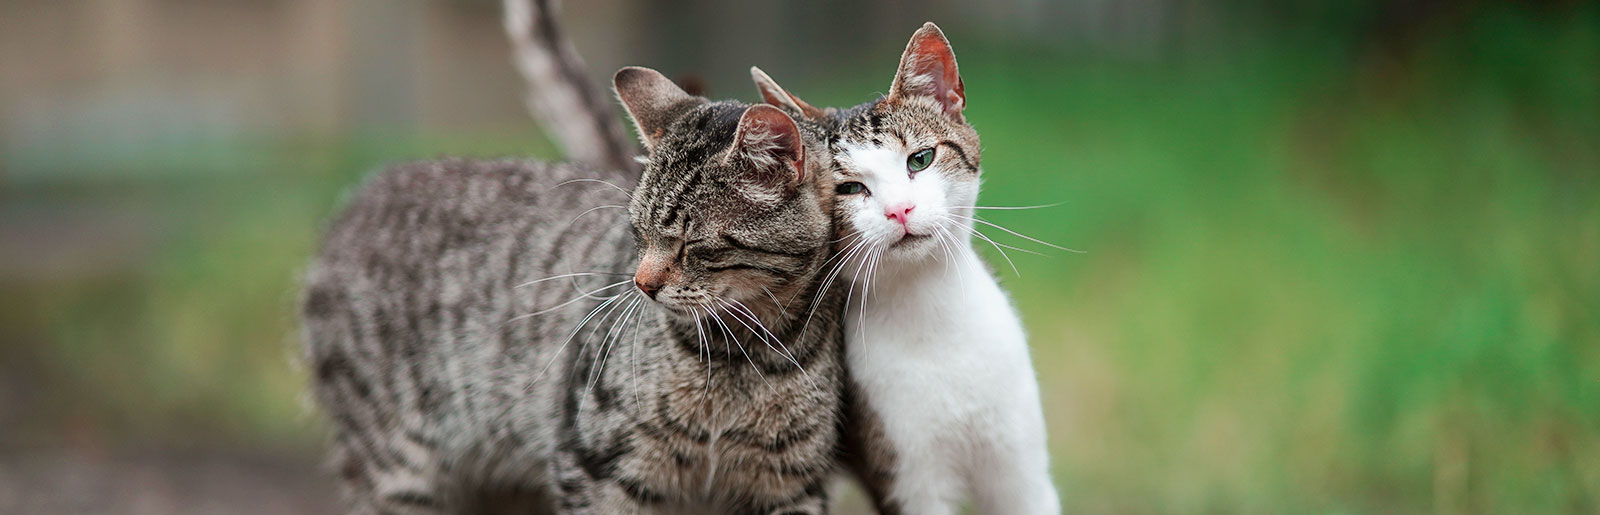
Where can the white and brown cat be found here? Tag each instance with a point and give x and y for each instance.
(946, 406)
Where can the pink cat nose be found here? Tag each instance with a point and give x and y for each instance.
(899, 212)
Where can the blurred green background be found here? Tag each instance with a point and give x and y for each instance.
(1341, 257)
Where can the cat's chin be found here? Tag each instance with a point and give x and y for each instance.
(681, 310)
(912, 247)
(687, 310)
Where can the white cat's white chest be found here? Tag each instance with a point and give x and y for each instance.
(941, 357)
(946, 355)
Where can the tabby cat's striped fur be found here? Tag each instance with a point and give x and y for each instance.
(466, 372)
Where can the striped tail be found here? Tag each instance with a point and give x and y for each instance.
(560, 94)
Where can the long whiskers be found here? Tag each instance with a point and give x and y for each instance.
(1015, 233)
(997, 247)
(1040, 206)
(564, 276)
(865, 275)
(705, 344)
(565, 304)
(568, 339)
(571, 181)
(782, 308)
(607, 343)
(633, 355)
(998, 244)
(736, 308)
(848, 253)
(593, 209)
(728, 333)
(943, 233)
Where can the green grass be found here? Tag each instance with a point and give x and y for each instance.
(1301, 296)
(1311, 283)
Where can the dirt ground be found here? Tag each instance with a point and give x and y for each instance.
(50, 482)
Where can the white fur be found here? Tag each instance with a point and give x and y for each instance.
(938, 350)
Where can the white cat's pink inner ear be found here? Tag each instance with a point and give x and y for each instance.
(928, 68)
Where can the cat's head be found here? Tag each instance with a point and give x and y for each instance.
(734, 205)
(906, 165)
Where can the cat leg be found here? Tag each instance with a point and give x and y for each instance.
(1023, 494)
(925, 486)
(930, 504)
(813, 505)
(578, 492)
(381, 484)
(812, 501)
(1016, 481)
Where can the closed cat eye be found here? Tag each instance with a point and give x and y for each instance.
(919, 160)
(850, 188)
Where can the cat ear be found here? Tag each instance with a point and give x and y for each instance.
(768, 139)
(774, 94)
(651, 100)
(928, 69)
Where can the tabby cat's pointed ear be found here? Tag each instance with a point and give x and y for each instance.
(774, 94)
(928, 69)
(651, 100)
(769, 140)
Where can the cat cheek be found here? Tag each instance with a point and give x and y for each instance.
(862, 220)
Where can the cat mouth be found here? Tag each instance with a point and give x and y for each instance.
(687, 306)
(908, 239)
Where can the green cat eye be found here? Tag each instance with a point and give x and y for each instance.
(919, 160)
(850, 188)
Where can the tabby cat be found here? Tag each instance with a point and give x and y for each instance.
(944, 401)
(492, 335)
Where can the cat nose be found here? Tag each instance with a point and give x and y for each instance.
(652, 274)
(649, 288)
(899, 212)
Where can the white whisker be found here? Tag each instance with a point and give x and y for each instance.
(600, 351)
(564, 276)
(1002, 252)
(633, 356)
(568, 339)
(565, 304)
(782, 308)
(609, 342)
(849, 294)
(974, 232)
(1017, 234)
(827, 281)
(866, 288)
(998, 244)
(705, 343)
(1040, 206)
(734, 309)
(566, 182)
(949, 251)
(728, 332)
(593, 209)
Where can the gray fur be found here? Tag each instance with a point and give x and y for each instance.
(455, 384)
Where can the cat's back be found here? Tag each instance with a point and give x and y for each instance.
(415, 304)
(410, 208)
